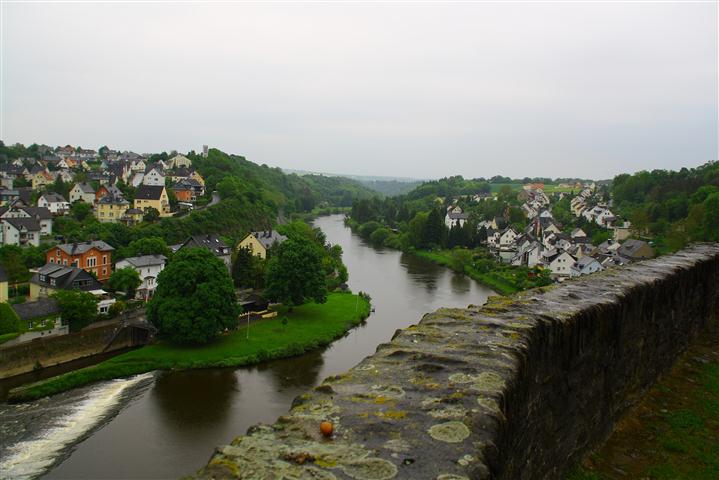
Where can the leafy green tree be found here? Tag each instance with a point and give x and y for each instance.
(195, 299)
(61, 187)
(80, 211)
(77, 309)
(151, 215)
(248, 270)
(295, 273)
(9, 321)
(146, 246)
(11, 259)
(124, 280)
(435, 231)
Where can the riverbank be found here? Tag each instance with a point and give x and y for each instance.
(307, 328)
(673, 433)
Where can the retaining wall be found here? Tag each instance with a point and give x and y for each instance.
(518, 389)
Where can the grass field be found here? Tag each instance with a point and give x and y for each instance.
(308, 327)
(673, 433)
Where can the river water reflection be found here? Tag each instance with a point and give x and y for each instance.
(168, 426)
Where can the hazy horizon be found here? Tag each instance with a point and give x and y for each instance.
(400, 90)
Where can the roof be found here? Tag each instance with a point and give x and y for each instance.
(210, 241)
(53, 197)
(133, 211)
(28, 223)
(85, 187)
(631, 246)
(584, 261)
(112, 199)
(39, 213)
(65, 277)
(145, 260)
(149, 192)
(457, 216)
(42, 307)
(80, 248)
(268, 238)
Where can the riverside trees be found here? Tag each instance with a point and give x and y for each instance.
(194, 300)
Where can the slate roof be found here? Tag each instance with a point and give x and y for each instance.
(80, 248)
(149, 192)
(42, 307)
(85, 187)
(269, 237)
(145, 260)
(210, 241)
(457, 216)
(40, 213)
(630, 247)
(110, 199)
(66, 277)
(54, 197)
(29, 224)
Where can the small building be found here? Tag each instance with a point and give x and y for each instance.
(133, 216)
(259, 242)
(455, 217)
(585, 266)
(179, 161)
(82, 192)
(110, 209)
(212, 243)
(560, 264)
(54, 202)
(42, 318)
(21, 231)
(153, 196)
(148, 267)
(635, 250)
(92, 256)
(154, 177)
(53, 277)
(183, 192)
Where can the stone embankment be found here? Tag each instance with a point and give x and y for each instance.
(520, 388)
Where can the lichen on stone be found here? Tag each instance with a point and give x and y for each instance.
(450, 432)
(371, 469)
(451, 476)
(488, 381)
(452, 411)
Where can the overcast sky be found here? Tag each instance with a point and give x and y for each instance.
(418, 90)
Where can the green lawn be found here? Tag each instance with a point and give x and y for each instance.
(308, 327)
(500, 280)
(673, 434)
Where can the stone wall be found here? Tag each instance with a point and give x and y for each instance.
(56, 350)
(518, 389)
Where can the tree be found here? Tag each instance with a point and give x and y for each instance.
(78, 309)
(295, 273)
(151, 215)
(146, 246)
(248, 270)
(124, 280)
(80, 211)
(194, 300)
(9, 321)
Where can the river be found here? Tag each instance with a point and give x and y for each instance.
(166, 424)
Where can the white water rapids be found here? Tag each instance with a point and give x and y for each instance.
(61, 428)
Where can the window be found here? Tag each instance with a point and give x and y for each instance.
(104, 259)
(57, 252)
(104, 271)
(64, 262)
(52, 260)
(91, 262)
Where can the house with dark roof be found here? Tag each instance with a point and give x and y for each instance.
(53, 277)
(54, 202)
(259, 243)
(21, 231)
(148, 267)
(92, 256)
(153, 196)
(212, 243)
(635, 250)
(82, 192)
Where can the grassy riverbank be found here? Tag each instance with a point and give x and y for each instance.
(673, 433)
(491, 279)
(308, 327)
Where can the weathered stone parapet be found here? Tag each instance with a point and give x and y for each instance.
(520, 388)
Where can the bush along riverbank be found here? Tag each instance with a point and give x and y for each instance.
(476, 263)
(306, 328)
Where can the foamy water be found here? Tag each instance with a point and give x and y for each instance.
(31, 458)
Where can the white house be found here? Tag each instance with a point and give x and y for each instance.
(179, 161)
(21, 231)
(42, 215)
(455, 216)
(149, 267)
(585, 266)
(154, 177)
(54, 202)
(578, 233)
(507, 238)
(561, 264)
(82, 192)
